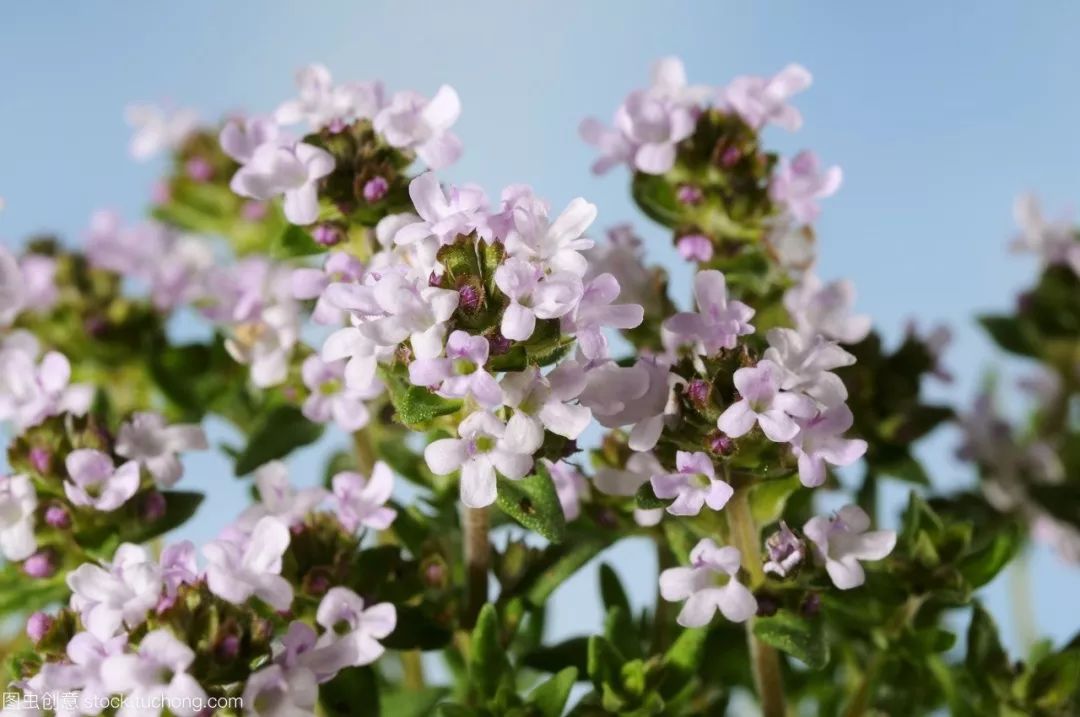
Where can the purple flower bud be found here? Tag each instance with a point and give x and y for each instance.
(498, 344)
(164, 603)
(199, 169)
(41, 459)
(811, 606)
(317, 584)
(336, 125)
(227, 648)
(254, 211)
(375, 189)
(695, 247)
(435, 574)
(37, 625)
(58, 517)
(468, 298)
(95, 325)
(40, 565)
(785, 551)
(326, 234)
(721, 445)
(730, 157)
(698, 391)
(688, 194)
(153, 507)
(766, 605)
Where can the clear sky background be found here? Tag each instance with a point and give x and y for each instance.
(938, 113)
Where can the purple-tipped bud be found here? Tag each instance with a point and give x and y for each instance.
(730, 157)
(721, 445)
(164, 603)
(58, 517)
(254, 211)
(375, 189)
(468, 298)
(695, 247)
(227, 648)
(95, 325)
(153, 507)
(317, 584)
(498, 344)
(435, 574)
(326, 234)
(766, 605)
(336, 125)
(811, 606)
(688, 194)
(37, 625)
(785, 550)
(40, 565)
(40, 459)
(698, 391)
(199, 169)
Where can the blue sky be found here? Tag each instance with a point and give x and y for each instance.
(938, 113)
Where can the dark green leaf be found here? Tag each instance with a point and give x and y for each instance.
(294, 241)
(488, 665)
(533, 502)
(354, 692)
(277, 434)
(549, 698)
(1012, 334)
(605, 663)
(573, 652)
(412, 703)
(611, 590)
(801, 638)
(981, 566)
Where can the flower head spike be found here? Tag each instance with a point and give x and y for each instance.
(697, 585)
(361, 501)
(147, 439)
(843, 540)
(718, 323)
(322, 104)
(486, 445)
(763, 402)
(236, 573)
(290, 170)
(693, 485)
(820, 440)
(798, 184)
(763, 100)
(95, 481)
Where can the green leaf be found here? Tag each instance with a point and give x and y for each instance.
(907, 469)
(1012, 334)
(416, 406)
(1053, 685)
(277, 434)
(294, 241)
(549, 698)
(488, 664)
(354, 692)
(412, 703)
(768, 498)
(604, 662)
(682, 660)
(646, 499)
(20, 594)
(656, 197)
(611, 590)
(533, 502)
(572, 557)
(981, 566)
(573, 652)
(801, 638)
(620, 629)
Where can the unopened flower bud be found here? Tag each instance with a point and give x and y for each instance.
(730, 157)
(326, 235)
(435, 574)
(766, 605)
(164, 603)
(57, 516)
(254, 211)
(688, 194)
(227, 648)
(721, 444)
(811, 605)
(40, 459)
(37, 625)
(199, 169)
(40, 565)
(698, 391)
(785, 550)
(498, 344)
(153, 507)
(695, 247)
(375, 189)
(468, 298)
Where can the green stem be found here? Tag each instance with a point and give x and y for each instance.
(477, 560)
(662, 615)
(1020, 601)
(764, 659)
(364, 451)
(412, 668)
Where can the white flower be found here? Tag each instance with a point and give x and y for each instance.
(1053, 242)
(534, 296)
(155, 677)
(762, 100)
(31, 391)
(322, 104)
(763, 402)
(556, 246)
(93, 480)
(693, 485)
(12, 287)
(146, 438)
(486, 445)
(236, 573)
(412, 121)
(117, 594)
(18, 501)
(267, 343)
(352, 632)
(158, 130)
(546, 399)
(820, 440)
(826, 309)
(805, 364)
(842, 541)
(717, 324)
(293, 171)
(361, 501)
(595, 311)
(634, 396)
(697, 585)
(278, 498)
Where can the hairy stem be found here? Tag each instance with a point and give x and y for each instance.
(764, 659)
(364, 451)
(412, 670)
(477, 560)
